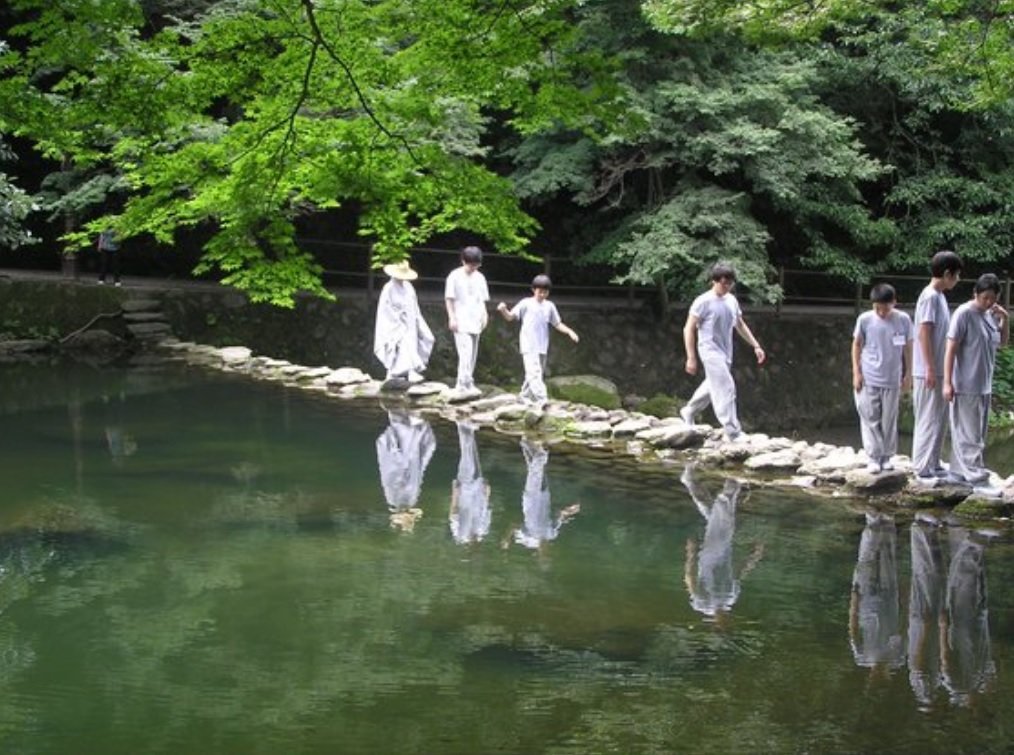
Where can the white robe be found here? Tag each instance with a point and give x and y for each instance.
(404, 451)
(402, 340)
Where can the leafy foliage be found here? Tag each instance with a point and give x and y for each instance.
(241, 118)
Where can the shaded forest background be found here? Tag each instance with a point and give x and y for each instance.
(649, 138)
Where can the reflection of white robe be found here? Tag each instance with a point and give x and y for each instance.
(404, 451)
(470, 521)
(717, 588)
(968, 662)
(402, 340)
(877, 640)
(539, 525)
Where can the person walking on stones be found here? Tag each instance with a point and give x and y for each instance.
(977, 329)
(109, 256)
(537, 314)
(465, 295)
(881, 368)
(932, 319)
(708, 331)
(402, 340)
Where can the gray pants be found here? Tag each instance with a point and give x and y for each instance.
(969, 420)
(534, 388)
(719, 390)
(467, 345)
(878, 421)
(930, 426)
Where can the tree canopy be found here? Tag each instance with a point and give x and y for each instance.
(655, 135)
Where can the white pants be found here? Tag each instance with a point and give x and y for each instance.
(467, 345)
(930, 426)
(969, 420)
(878, 421)
(719, 390)
(534, 388)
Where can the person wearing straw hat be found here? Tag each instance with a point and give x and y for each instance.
(402, 340)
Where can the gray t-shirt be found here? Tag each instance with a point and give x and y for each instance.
(716, 317)
(883, 339)
(978, 337)
(536, 318)
(931, 308)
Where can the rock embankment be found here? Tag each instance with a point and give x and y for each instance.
(820, 468)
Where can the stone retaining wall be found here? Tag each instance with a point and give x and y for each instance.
(806, 383)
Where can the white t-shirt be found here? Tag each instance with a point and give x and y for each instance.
(716, 317)
(470, 294)
(931, 308)
(536, 318)
(884, 339)
(978, 337)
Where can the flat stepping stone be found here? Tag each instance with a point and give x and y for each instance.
(144, 317)
(141, 305)
(143, 329)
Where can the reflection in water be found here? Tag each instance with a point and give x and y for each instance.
(967, 665)
(948, 619)
(404, 451)
(540, 526)
(120, 442)
(470, 513)
(713, 586)
(925, 606)
(874, 610)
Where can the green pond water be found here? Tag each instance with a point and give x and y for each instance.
(191, 563)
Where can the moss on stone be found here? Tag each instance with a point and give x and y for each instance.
(981, 508)
(660, 406)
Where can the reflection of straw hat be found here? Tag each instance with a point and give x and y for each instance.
(401, 271)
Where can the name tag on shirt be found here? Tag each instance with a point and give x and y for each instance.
(898, 340)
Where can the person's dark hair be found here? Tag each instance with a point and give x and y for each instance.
(472, 255)
(542, 281)
(722, 270)
(883, 293)
(987, 282)
(945, 261)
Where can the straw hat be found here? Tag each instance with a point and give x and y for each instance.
(401, 271)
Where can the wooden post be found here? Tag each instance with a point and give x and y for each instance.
(1006, 291)
(369, 277)
(781, 285)
(859, 297)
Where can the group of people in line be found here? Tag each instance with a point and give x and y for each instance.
(947, 361)
(403, 342)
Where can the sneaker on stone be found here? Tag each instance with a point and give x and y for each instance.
(886, 466)
(414, 377)
(686, 416)
(927, 481)
(987, 491)
(873, 467)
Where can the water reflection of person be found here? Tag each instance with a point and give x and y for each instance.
(874, 609)
(404, 451)
(540, 526)
(121, 444)
(470, 513)
(925, 610)
(713, 585)
(967, 666)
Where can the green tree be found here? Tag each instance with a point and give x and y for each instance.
(727, 152)
(247, 115)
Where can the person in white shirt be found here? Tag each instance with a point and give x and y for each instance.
(537, 315)
(465, 296)
(932, 318)
(978, 328)
(881, 368)
(708, 331)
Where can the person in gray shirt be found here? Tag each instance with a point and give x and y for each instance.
(978, 328)
(932, 318)
(708, 331)
(881, 368)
